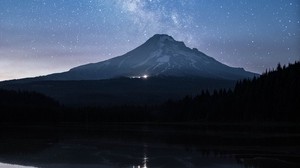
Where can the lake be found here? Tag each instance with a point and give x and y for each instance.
(149, 146)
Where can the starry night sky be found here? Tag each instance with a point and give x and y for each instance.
(39, 37)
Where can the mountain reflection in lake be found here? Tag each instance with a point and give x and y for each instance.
(141, 147)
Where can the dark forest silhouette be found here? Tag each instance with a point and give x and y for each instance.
(24, 106)
(272, 97)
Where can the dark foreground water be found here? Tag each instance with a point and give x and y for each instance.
(150, 146)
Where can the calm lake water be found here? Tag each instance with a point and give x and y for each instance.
(140, 146)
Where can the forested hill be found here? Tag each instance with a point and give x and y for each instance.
(23, 106)
(274, 96)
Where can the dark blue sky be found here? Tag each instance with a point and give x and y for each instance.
(39, 37)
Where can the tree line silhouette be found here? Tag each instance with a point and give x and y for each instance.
(272, 97)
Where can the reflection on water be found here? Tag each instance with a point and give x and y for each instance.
(145, 159)
(144, 165)
(113, 154)
(3, 165)
(144, 148)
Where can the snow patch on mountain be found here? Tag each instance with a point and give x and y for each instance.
(151, 56)
(163, 59)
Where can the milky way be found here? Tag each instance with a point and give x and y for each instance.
(39, 37)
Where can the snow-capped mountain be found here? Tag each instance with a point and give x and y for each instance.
(161, 55)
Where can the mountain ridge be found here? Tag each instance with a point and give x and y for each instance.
(161, 55)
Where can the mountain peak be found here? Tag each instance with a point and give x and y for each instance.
(161, 38)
